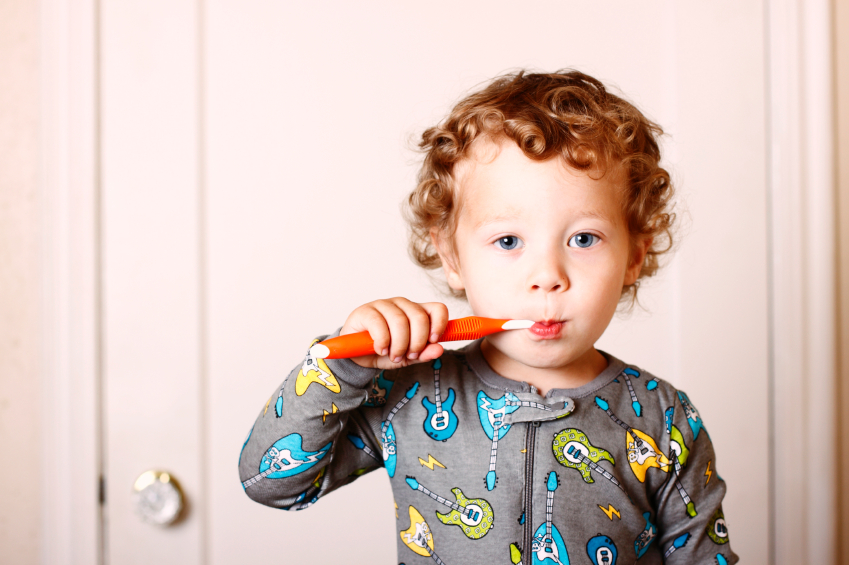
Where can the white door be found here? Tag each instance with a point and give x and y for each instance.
(254, 157)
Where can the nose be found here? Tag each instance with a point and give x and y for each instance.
(549, 274)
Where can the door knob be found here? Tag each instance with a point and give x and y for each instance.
(158, 497)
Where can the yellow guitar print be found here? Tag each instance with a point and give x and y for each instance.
(315, 371)
(418, 537)
(643, 454)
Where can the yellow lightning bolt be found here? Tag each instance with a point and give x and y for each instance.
(708, 473)
(266, 404)
(396, 508)
(326, 413)
(610, 511)
(430, 462)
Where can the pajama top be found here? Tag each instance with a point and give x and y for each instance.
(485, 470)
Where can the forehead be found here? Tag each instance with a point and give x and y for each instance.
(498, 181)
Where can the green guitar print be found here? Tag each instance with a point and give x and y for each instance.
(473, 515)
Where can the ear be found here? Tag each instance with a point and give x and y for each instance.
(638, 256)
(450, 265)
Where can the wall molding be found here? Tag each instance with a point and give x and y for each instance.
(803, 284)
(70, 353)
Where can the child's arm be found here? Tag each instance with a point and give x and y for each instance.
(691, 525)
(312, 436)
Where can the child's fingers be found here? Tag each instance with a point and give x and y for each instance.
(368, 318)
(403, 331)
(438, 313)
(399, 328)
(431, 352)
(419, 323)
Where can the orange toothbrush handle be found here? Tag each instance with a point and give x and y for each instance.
(349, 345)
(361, 343)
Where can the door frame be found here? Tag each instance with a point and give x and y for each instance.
(803, 278)
(802, 303)
(72, 521)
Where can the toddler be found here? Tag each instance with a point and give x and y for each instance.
(541, 197)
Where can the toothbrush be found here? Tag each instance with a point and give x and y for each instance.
(361, 343)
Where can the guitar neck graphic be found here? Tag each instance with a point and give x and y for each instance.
(437, 396)
(410, 394)
(493, 454)
(434, 555)
(467, 512)
(691, 508)
(360, 444)
(638, 408)
(623, 425)
(637, 440)
(677, 544)
(549, 510)
(257, 478)
(545, 548)
(578, 454)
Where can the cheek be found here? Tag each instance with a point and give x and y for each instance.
(602, 286)
(490, 285)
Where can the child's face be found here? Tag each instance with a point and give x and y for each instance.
(543, 242)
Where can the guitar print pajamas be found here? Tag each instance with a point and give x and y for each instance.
(485, 470)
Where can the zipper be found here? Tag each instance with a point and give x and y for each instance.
(530, 443)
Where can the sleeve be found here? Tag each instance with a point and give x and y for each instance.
(691, 525)
(311, 437)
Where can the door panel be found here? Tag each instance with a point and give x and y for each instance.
(151, 271)
(218, 278)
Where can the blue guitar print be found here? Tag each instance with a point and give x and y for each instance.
(285, 458)
(601, 550)
(491, 413)
(441, 421)
(548, 546)
(380, 389)
(643, 541)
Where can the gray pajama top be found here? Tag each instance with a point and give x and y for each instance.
(485, 470)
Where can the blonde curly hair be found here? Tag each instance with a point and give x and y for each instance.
(566, 114)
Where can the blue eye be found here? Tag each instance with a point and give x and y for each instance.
(583, 240)
(508, 242)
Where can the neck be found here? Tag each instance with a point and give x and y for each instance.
(577, 373)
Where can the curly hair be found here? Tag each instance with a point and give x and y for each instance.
(566, 114)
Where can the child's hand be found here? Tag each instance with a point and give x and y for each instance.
(404, 332)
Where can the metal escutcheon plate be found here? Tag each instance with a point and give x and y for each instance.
(158, 498)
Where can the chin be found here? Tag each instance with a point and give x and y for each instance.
(540, 354)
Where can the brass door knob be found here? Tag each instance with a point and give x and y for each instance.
(158, 498)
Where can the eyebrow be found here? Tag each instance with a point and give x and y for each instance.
(597, 214)
(486, 220)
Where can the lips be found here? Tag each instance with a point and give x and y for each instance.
(546, 330)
